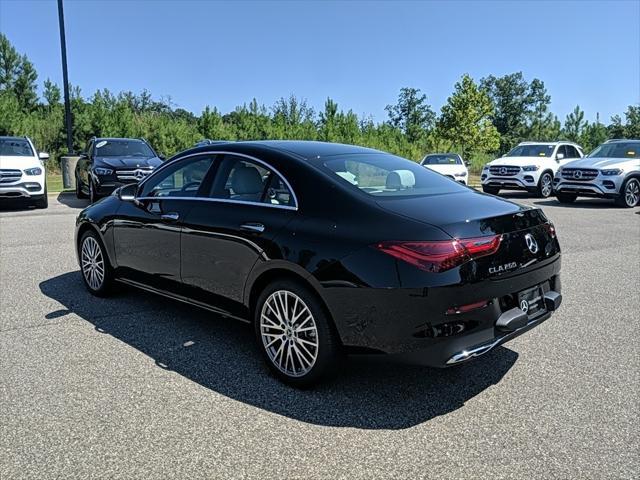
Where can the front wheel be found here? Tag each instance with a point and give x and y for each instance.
(44, 201)
(545, 185)
(79, 193)
(490, 190)
(629, 193)
(97, 274)
(566, 197)
(93, 195)
(295, 335)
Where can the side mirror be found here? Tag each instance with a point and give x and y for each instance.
(162, 157)
(559, 156)
(128, 192)
(43, 156)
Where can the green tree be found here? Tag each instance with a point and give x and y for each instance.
(411, 114)
(574, 125)
(466, 119)
(17, 75)
(632, 127)
(593, 134)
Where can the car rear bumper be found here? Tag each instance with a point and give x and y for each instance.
(417, 324)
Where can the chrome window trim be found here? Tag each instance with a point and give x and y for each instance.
(224, 200)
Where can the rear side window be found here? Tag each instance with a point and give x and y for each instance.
(571, 151)
(385, 175)
(15, 147)
(244, 180)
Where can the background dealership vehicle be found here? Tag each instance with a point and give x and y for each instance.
(328, 248)
(108, 163)
(22, 173)
(611, 171)
(530, 166)
(449, 164)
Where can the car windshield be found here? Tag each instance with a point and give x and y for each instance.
(442, 159)
(15, 147)
(532, 151)
(385, 175)
(617, 150)
(123, 148)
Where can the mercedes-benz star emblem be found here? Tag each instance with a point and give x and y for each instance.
(503, 171)
(524, 306)
(139, 174)
(532, 245)
(577, 174)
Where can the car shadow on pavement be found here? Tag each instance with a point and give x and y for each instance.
(580, 203)
(220, 354)
(70, 200)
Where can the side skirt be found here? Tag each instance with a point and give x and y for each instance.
(180, 298)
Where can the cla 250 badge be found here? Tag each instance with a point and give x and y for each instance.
(503, 268)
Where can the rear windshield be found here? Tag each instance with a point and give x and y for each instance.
(442, 159)
(15, 147)
(617, 150)
(123, 148)
(385, 175)
(532, 151)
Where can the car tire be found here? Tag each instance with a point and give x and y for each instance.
(93, 196)
(491, 190)
(95, 268)
(545, 185)
(566, 197)
(629, 193)
(79, 193)
(295, 334)
(44, 201)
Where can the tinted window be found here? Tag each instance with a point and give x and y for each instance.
(542, 150)
(617, 150)
(571, 151)
(444, 159)
(562, 151)
(181, 179)
(15, 147)
(123, 148)
(387, 175)
(241, 179)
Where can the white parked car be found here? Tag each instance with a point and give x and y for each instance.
(449, 164)
(530, 166)
(611, 171)
(22, 172)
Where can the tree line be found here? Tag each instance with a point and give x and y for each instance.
(480, 119)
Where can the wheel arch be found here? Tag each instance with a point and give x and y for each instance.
(85, 227)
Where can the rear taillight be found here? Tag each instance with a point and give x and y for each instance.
(440, 256)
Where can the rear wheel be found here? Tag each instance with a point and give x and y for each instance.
(97, 274)
(545, 185)
(490, 190)
(295, 335)
(566, 197)
(629, 193)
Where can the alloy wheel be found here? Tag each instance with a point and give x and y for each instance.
(289, 333)
(545, 185)
(632, 192)
(92, 263)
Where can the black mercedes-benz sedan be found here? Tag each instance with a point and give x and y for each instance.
(109, 163)
(327, 249)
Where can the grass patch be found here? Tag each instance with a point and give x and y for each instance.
(54, 183)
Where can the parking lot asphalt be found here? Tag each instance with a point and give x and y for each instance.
(140, 386)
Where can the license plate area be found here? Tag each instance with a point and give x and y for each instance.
(531, 301)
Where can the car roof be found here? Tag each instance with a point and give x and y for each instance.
(118, 138)
(558, 142)
(13, 138)
(623, 140)
(442, 153)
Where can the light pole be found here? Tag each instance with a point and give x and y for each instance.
(65, 80)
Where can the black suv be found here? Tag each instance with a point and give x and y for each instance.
(108, 163)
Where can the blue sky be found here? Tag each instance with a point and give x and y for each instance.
(358, 53)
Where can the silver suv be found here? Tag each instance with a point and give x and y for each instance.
(610, 171)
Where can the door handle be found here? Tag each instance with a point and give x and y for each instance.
(252, 227)
(170, 217)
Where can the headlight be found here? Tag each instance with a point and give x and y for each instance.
(102, 171)
(33, 171)
(530, 168)
(611, 172)
(461, 174)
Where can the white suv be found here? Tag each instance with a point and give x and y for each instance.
(448, 164)
(530, 166)
(611, 171)
(22, 173)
